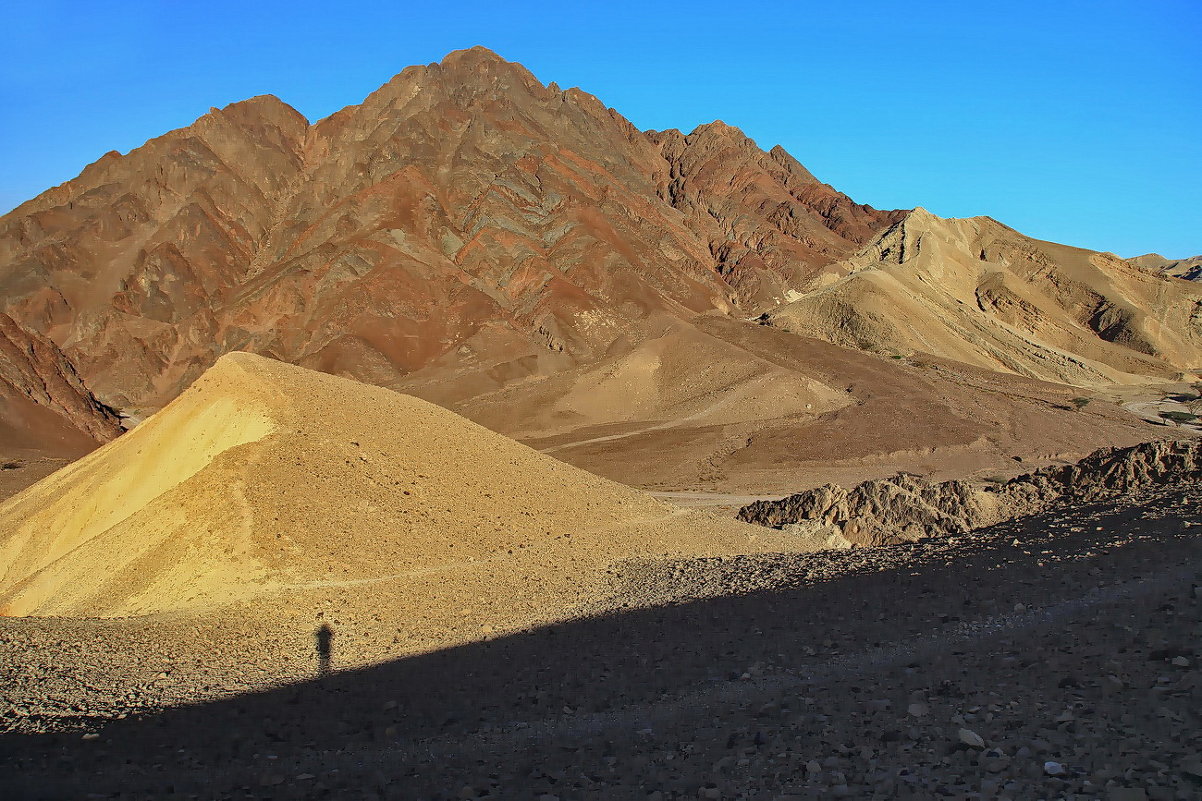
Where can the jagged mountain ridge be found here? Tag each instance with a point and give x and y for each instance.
(464, 211)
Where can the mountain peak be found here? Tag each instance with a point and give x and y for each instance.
(477, 54)
(718, 128)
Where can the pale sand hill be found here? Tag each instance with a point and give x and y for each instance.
(275, 491)
(978, 292)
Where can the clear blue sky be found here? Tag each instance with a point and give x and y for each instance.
(1079, 122)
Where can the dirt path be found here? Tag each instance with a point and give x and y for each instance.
(701, 500)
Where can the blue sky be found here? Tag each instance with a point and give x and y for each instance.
(1079, 122)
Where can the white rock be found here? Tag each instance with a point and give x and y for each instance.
(1053, 768)
(971, 738)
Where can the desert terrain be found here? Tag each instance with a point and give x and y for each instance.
(471, 442)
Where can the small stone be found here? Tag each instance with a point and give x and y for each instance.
(1181, 661)
(813, 768)
(467, 791)
(90, 736)
(1053, 768)
(918, 709)
(706, 792)
(971, 738)
(1020, 607)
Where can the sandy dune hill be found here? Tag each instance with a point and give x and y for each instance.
(981, 293)
(267, 483)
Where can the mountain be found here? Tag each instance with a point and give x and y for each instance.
(1190, 269)
(978, 292)
(462, 211)
(291, 492)
(525, 256)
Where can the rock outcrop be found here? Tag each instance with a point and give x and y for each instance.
(906, 508)
(45, 404)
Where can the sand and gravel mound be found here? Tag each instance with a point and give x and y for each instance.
(283, 491)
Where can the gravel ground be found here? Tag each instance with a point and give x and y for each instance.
(1055, 657)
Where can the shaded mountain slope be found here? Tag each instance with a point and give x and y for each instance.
(45, 409)
(976, 291)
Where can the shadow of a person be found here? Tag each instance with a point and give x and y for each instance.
(324, 637)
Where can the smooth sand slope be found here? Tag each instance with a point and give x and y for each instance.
(287, 492)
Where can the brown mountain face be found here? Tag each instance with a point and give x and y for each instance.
(463, 213)
(47, 416)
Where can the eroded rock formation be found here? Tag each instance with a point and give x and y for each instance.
(907, 507)
(45, 403)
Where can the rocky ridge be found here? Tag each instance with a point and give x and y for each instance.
(1190, 269)
(981, 293)
(907, 508)
(46, 402)
(464, 214)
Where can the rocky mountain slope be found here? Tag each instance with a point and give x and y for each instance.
(907, 508)
(981, 293)
(44, 405)
(463, 212)
(1190, 269)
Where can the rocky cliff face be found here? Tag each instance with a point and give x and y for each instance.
(463, 212)
(45, 403)
(907, 508)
